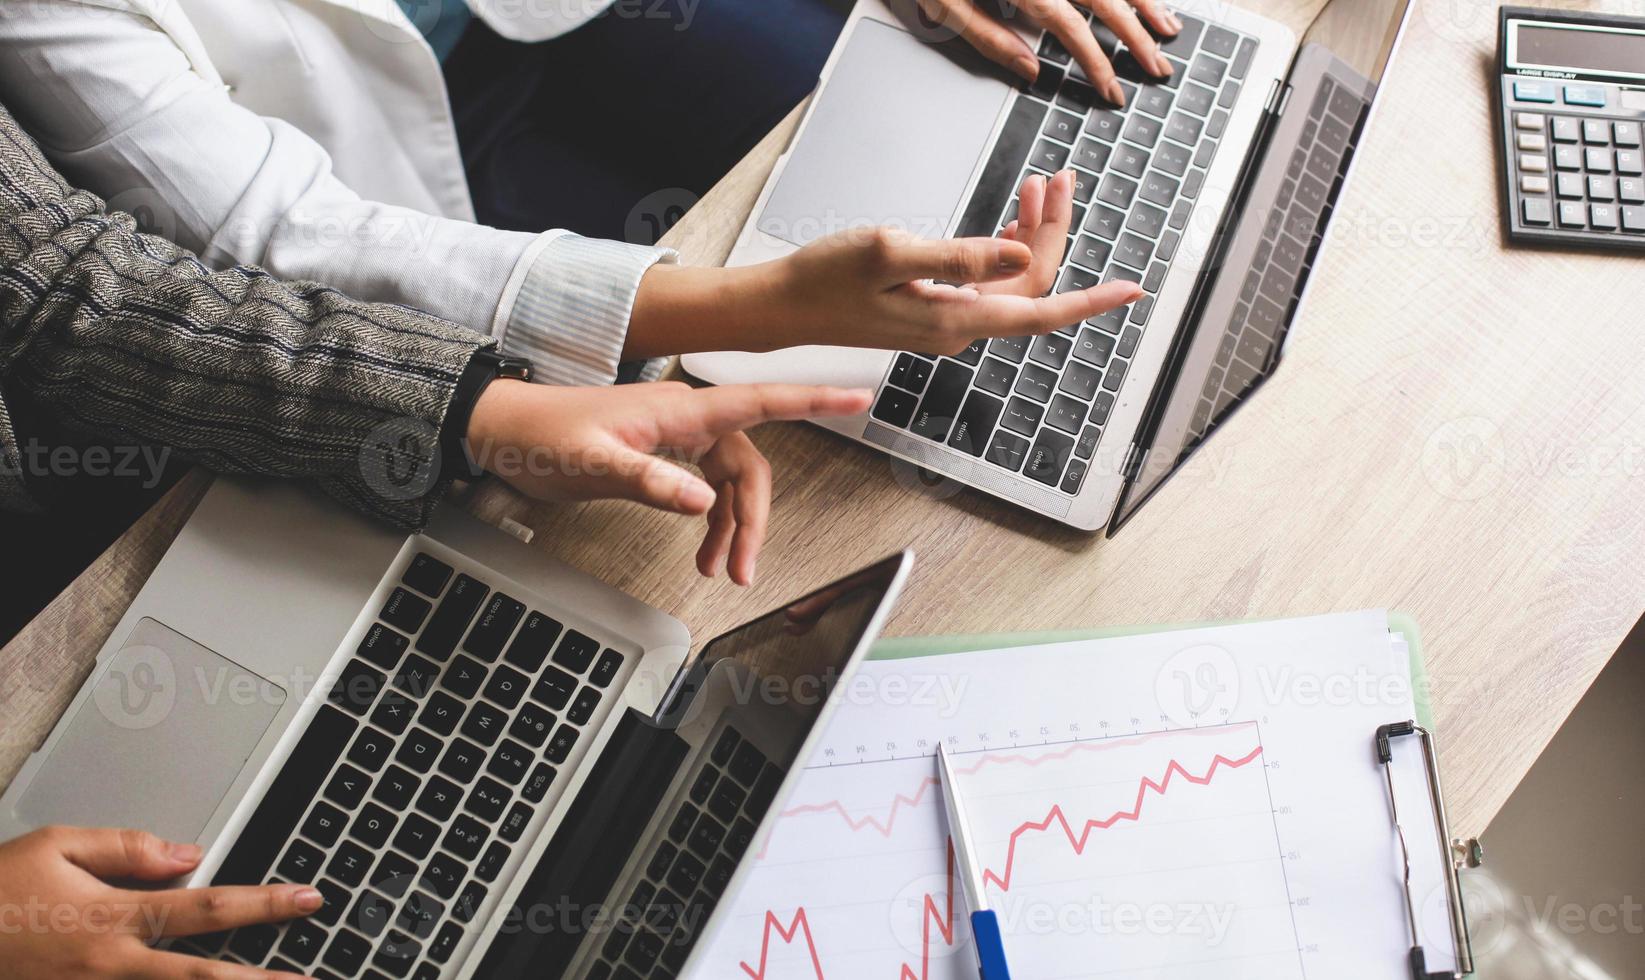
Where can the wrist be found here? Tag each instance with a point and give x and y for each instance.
(490, 424)
(684, 309)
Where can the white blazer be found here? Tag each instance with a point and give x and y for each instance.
(314, 138)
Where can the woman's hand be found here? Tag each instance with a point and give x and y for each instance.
(589, 443)
(60, 918)
(1064, 19)
(871, 288)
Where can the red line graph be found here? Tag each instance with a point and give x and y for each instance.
(943, 918)
(905, 801)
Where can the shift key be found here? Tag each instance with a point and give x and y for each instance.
(941, 403)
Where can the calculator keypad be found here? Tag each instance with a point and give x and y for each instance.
(1572, 168)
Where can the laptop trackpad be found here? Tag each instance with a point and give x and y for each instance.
(898, 131)
(167, 729)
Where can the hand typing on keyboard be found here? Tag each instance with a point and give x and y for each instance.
(1068, 23)
(873, 287)
(60, 918)
(557, 443)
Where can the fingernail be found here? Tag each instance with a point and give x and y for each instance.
(1176, 22)
(1162, 64)
(1027, 66)
(309, 900)
(696, 496)
(185, 852)
(1114, 93)
(1013, 259)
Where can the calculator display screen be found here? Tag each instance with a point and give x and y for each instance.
(1606, 51)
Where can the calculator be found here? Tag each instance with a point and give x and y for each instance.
(1571, 111)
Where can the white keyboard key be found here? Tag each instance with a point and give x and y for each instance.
(1533, 184)
(1534, 163)
(1533, 141)
(1529, 121)
(1627, 133)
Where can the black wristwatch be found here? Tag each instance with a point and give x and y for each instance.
(483, 368)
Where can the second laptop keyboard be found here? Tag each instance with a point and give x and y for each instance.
(1038, 405)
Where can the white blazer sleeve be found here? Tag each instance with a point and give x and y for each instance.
(118, 108)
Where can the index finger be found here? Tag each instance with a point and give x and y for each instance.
(1070, 27)
(192, 911)
(1122, 19)
(714, 412)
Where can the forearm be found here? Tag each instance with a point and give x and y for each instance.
(683, 309)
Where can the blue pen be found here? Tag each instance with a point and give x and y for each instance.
(985, 927)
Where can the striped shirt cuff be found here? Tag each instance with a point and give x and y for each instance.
(567, 307)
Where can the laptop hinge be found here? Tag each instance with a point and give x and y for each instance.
(1279, 96)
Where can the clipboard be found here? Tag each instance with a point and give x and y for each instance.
(1459, 854)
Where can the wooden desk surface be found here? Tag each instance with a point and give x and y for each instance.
(1459, 433)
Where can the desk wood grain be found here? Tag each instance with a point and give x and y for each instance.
(1459, 433)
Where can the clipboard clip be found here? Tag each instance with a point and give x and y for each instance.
(1455, 855)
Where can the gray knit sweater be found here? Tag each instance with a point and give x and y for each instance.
(130, 338)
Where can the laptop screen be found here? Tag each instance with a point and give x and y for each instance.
(675, 801)
(1270, 239)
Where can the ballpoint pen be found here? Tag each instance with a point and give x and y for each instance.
(985, 927)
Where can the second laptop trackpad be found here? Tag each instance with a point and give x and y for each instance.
(165, 733)
(894, 139)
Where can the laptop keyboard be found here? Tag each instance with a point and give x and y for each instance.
(687, 872)
(1037, 406)
(406, 793)
(1291, 239)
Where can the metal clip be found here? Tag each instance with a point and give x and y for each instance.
(1454, 855)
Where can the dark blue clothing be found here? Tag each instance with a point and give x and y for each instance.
(612, 130)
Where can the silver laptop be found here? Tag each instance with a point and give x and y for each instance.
(491, 765)
(1213, 190)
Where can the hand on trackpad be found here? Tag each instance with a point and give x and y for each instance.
(893, 140)
(166, 731)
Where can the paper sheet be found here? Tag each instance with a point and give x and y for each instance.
(1193, 804)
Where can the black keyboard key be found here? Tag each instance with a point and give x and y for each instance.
(1012, 349)
(996, 376)
(396, 954)
(484, 724)
(746, 763)
(719, 875)
(488, 799)
(1114, 375)
(418, 751)
(679, 829)
(727, 799)
(1117, 191)
(439, 798)
(686, 872)
(971, 355)
(395, 788)
(1105, 223)
(514, 825)
(1215, 125)
(910, 372)
(1045, 84)
(370, 750)
(510, 762)
(356, 687)
(1093, 347)
(1133, 250)
(405, 611)
(1050, 350)
(427, 574)
(659, 864)
(1062, 126)
(1159, 188)
(531, 645)
(1183, 44)
(465, 838)
(1128, 342)
(895, 407)
(441, 714)
(336, 898)
(1048, 156)
(941, 403)
(532, 724)
(416, 676)
(976, 422)
(606, 668)
(462, 760)
(382, 646)
(1105, 125)
(372, 826)
(1207, 71)
(724, 747)
(1066, 413)
(394, 712)
(1144, 130)
(301, 865)
(253, 942)
(420, 914)
(764, 792)
(463, 677)
(1154, 100)
(536, 787)
(445, 943)
(491, 864)
(583, 706)
(1048, 456)
(417, 835)
(467, 905)
(1003, 171)
(1091, 154)
(301, 943)
(554, 688)
(347, 953)
(496, 622)
(560, 746)
(451, 619)
(370, 914)
(705, 837)
(349, 863)
(443, 875)
(1090, 252)
(324, 824)
(393, 875)
(1022, 416)
(1081, 380)
(1220, 41)
(1101, 407)
(576, 651)
(1174, 160)
(1086, 447)
(1036, 382)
